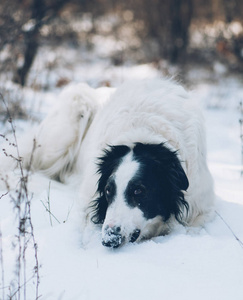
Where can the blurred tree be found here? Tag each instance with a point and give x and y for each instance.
(161, 26)
(12, 18)
(168, 23)
(41, 12)
(181, 15)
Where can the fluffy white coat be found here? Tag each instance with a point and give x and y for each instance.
(85, 121)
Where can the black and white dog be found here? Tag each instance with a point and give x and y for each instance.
(139, 152)
(142, 186)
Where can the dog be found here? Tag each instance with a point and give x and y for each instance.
(138, 151)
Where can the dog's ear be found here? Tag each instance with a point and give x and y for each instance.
(108, 162)
(99, 208)
(177, 175)
(106, 166)
(166, 159)
(173, 178)
(178, 183)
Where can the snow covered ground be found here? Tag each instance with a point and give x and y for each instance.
(206, 263)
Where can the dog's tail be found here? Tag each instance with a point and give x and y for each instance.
(53, 146)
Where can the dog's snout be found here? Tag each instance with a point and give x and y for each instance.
(112, 229)
(112, 237)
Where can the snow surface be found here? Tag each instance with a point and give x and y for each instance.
(205, 263)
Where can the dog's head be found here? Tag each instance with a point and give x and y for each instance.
(139, 189)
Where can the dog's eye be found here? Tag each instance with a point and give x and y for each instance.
(137, 192)
(109, 191)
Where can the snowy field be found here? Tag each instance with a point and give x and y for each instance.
(204, 263)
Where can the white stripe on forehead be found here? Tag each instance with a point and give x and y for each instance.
(119, 213)
(125, 172)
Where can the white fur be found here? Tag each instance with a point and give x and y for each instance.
(148, 111)
(153, 111)
(119, 213)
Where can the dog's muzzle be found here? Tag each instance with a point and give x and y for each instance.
(113, 238)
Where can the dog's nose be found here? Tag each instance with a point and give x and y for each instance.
(112, 237)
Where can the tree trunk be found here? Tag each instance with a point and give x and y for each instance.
(31, 37)
(38, 12)
(181, 14)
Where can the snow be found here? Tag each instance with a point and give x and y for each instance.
(202, 263)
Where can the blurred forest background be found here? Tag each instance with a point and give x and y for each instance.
(180, 33)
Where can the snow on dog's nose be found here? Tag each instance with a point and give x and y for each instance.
(112, 237)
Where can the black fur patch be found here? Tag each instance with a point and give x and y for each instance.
(107, 164)
(157, 188)
(164, 178)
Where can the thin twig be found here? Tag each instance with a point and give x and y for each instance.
(69, 211)
(50, 213)
(230, 229)
(24, 218)
(3, 195)
(19, 288)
